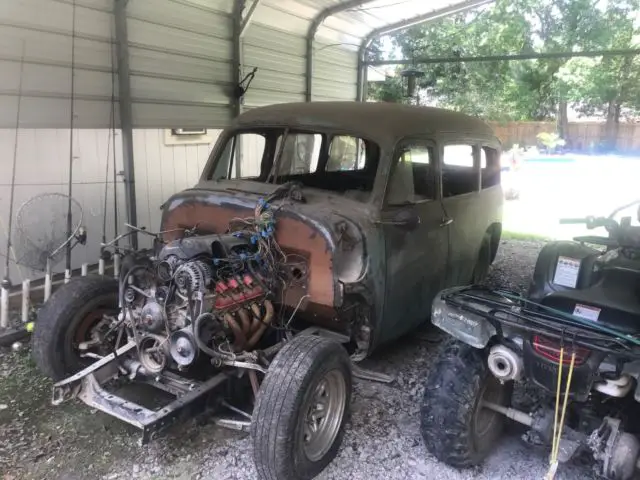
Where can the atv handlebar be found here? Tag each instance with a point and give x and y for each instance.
(622, 232)
(573, 221)
(592, 222)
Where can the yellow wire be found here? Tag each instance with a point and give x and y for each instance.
(564, 405)
(555, 416)
(557, 427)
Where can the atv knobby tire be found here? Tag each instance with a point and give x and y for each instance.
(67, 310)
(280, 448)
(451, 412)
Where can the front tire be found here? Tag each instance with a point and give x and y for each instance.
(66, 319)
(456, 429)
(298, 420)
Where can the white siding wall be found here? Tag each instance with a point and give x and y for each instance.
(42, 167)
(162, 170)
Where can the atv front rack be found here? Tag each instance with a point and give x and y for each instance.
(509, 310)
(88, 386)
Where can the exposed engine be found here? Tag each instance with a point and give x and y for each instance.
(206, 294)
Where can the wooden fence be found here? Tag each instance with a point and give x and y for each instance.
(582, 136)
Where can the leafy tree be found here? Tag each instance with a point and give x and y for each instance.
(534, 89)
(605, 86)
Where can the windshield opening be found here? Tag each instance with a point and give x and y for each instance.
(341, 163)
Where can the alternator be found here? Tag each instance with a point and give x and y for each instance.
(193, 276)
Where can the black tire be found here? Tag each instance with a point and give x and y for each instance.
(451, 407)
(60, 319)
(277, 429)
(481, 269)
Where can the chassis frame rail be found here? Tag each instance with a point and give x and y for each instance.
(87, 386)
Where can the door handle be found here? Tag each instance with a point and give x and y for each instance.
(446, 222)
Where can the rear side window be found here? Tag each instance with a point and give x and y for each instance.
(458, 170)
(489, 167)
(346, 153)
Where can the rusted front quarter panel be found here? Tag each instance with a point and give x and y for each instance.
(292, 234)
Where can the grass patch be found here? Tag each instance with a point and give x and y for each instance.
(509, 235)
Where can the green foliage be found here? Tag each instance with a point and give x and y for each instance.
(532, 89)
(550, 140)
(388, 91)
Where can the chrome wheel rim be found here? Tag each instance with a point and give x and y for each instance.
(322, 414)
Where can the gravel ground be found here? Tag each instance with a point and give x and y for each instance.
(382, 439)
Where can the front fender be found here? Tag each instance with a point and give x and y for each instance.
(457, 321)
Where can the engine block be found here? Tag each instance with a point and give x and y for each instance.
(200, 295)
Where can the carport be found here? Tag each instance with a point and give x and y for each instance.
(117, 105)
(163, 78)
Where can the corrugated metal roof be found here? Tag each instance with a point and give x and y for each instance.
(348, 27)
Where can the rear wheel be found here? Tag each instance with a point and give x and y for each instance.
(456, 428)
(298, 419)
(481, 269)
(71, 316)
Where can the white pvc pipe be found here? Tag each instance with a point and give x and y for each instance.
(4, 308)
(26, 300)
(47, 286)
(67, 276)
(101, 266)
(85, 269)
(116, 265)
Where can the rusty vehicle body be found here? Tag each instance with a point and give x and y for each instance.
(316, 233)
(384, 257)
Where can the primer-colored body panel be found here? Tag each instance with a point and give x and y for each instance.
(355, 251)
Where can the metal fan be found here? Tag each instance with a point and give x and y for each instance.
(42, 234)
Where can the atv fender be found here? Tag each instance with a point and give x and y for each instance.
(543, 285)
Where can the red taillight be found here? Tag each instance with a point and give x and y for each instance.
(550, 349)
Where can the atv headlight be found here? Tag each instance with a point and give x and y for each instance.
(467, 327)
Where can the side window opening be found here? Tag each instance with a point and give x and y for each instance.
(300, 153)
(252, 147)
(242, 162)
(489, 167)
(412, 178)
(458, 170)
(341, 164)
(346, 153)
